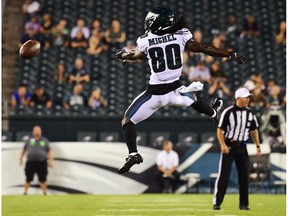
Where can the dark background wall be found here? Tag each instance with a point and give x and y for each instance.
(67, 128)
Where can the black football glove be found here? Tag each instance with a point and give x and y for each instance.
(234, 56)
(119, 55)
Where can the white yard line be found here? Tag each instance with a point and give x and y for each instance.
(155, 210)
(158, 204)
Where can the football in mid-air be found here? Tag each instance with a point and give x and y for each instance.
(29, 49)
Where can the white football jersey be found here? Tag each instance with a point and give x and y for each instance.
(165, 54)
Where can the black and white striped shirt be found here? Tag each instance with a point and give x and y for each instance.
(236, 123)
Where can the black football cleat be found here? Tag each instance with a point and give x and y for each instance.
(216, 207)
(217, 105)
(244, 208)
(130, 161)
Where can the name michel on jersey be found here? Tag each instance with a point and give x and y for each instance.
(163, 39)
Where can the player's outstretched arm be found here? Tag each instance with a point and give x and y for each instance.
(131, 55)
(215, 52)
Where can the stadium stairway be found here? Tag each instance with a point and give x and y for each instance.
(11, 34)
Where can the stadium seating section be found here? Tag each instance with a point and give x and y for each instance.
(120, 85)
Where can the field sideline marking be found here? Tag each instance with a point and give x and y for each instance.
(155, 210)
(158, 204)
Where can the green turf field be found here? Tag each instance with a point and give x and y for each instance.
(150, 204)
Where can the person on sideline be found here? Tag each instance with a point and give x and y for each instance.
(39, 156)
(167, 163)
(233, 132)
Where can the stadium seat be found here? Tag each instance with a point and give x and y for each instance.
(208, 137)
(141, 138)
(86, 136)
(109, 136)
(157, 138)
(23, 136)
(6, 136)
(192, 181)
(187, 139)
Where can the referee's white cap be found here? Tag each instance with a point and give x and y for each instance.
(242, 93)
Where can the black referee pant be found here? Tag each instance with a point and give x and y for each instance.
(238, 152)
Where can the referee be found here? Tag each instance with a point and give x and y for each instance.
(233, 131)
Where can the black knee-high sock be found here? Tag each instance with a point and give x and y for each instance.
(130, 134)
(202, 107)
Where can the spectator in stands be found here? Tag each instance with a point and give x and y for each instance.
(61, 27)
(96, 100)
(167, 163)
(21, 96)
(218, 86)
(60, 73)
(60, 40)
(47, 24)
(80, 26)
(215, 29)
(198, 35)
(255, 85)
(258, 80)
(250, 27)
(216, 71)
(40, 98)
(199, 73)
(31, 7)
(46, 29)
(79, 41)
(76, 98)
(232, 28)
(79, 73)
(96, 25)
(275, 94)
(281, 34)
(39, 156)
(29, 35)
(33, 24)
(60, 34)
(95, 45)
(115, 35)
(258, 98)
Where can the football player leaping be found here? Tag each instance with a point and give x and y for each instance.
(163, 44)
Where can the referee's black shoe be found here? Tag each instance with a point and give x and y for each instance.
(216, 207)
(217, 105)
(130, 161)
(244, 208)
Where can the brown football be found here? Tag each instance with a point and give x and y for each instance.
(29, 49)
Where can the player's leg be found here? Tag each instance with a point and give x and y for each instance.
(200, 105)
(141, 108)
(29, 172)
